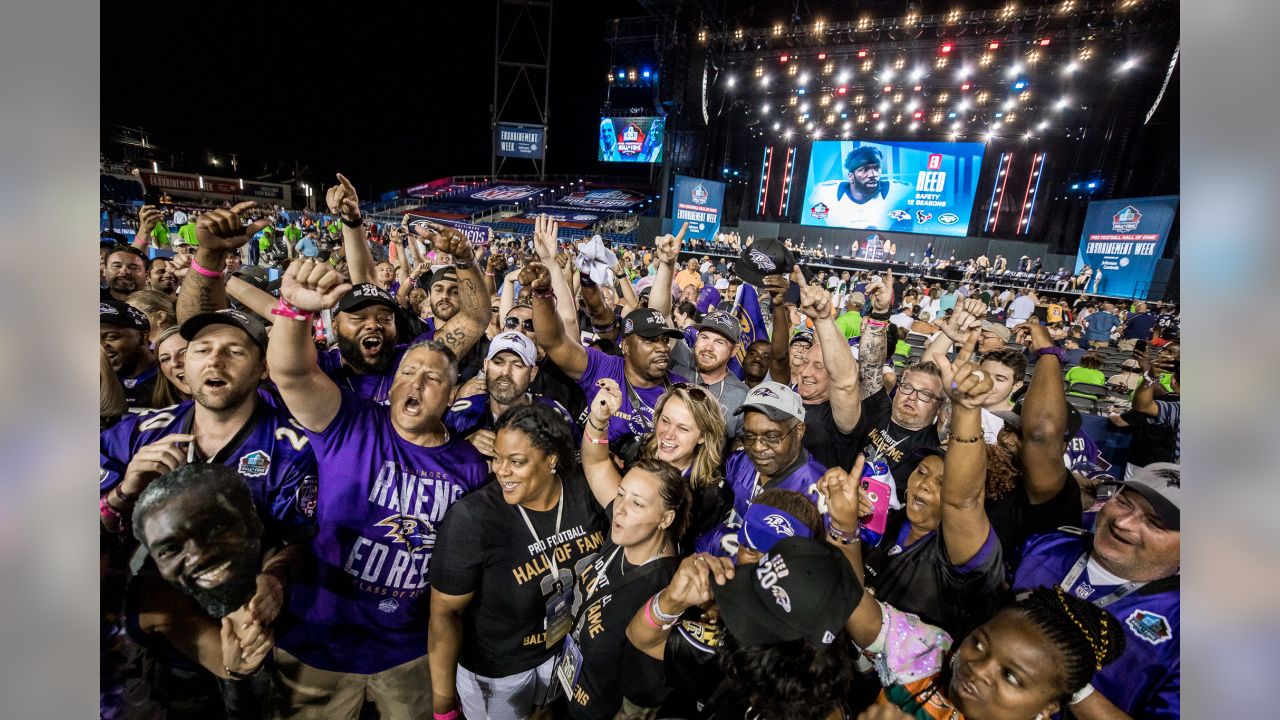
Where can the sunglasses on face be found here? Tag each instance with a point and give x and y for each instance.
(512, 323)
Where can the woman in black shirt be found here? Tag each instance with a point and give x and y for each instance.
(502, 574)
(598, 668)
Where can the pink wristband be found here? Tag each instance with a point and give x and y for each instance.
(451, 715)
(284, 309)
(204, 271)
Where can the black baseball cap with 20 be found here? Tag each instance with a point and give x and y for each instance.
(648, 323)
(363, 295)
(800, 589)
(250, 324)
(114, 312)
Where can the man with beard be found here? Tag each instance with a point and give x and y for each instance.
(160, 278)
(864, 200)
(442, 295)
(125, 270)
(225, 423)
(642, 371)
(207, 653)
(355, 628)
(708, 363)
(773, 457)
(550, 382)
(365, 324)
(123, 331)
(756, 365)
(509, 371)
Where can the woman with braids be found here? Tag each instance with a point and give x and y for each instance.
(502, 574)
(688, 433)
(598, 669)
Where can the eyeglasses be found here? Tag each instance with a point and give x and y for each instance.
(909, 390)
(770, 439)
(512, 323)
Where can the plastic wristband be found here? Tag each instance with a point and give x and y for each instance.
(453, 714)
(657, 611)
(204, 270)
(284, 309)
(352, 223)
(464, 265)
(868, 322)
(112, 519)
(547, 294)
(1078, 696)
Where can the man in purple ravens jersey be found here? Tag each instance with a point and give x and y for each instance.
(642, 371)
(227, 423)
(772, 457)
(1130, 566)
(356, 624)
(510, 367)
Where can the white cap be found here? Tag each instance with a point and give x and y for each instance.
(515, 342)
(722, 284)
(776, 400)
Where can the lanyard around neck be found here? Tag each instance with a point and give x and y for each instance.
(551, 560)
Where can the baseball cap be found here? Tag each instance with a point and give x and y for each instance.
(723, 323)
(998, 329)
(515, 342)
(722, 284)
(114, 312)
(800, 589)
(765, 256)
(764, 526)
(1013, 418)
(648, 323)
(776, 400)
(803, 336)
(251, 325)
(857, 298)
(363, 295)
(447, 273)
(1161, 484)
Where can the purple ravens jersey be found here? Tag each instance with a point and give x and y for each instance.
(367, 387)
(429, 333)
(271, 452)
(632, 419)
(362, 606)
(469, 414)
(741, 477)
(1147, 679)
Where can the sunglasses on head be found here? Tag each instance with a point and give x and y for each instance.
(512, 323)
(693, 390)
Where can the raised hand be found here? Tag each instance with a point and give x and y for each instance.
(535, 276)
(342, 199)
(312, 286)
(880, 292)
(667, 247)
(223, 229)
(968, 316)
(606, 402)
(447, 240)
(179, 264)
(160, 457)
(840, 491)
(815, 302)
(691, 584)
(1037, 334)
(964, 383)
(546, 237)
(482, 440)
(148, 218)
(776, 286)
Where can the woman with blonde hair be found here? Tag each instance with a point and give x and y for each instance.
(688, 432)
(159, 309)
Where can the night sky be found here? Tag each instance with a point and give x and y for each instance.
(390, 100)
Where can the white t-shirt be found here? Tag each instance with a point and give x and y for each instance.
(1021, 308)
(990, 426)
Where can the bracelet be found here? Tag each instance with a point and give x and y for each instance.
(593, 425)
(1078, 696)
(243, 676)
(598, 441)
(657, 610)
(648, 617)
(547, 294)
(586, 281)
(122, 496)
(284, 309)
(451, 715)
(869, 322)
(607, 326)
(840, 536)
(467, 265)
(490, 274)
(352, 224)
(966, 440)
(112, 519)
(204, 271)
(882, 316)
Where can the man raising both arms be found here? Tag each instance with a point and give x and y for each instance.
(356, 623)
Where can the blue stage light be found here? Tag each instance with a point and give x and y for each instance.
(1093, 185)
(645, 72)
(622, 75)
(1076, 186)
(1020, 85)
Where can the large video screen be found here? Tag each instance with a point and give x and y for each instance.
(917, 187)
(631, 139)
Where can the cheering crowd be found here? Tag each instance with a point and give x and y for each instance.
(508, 480)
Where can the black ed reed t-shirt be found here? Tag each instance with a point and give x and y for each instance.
(886, 439)
(484, 547)
(609, 592)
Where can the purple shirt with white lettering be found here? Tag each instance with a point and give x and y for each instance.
(742, 478)
(627, 421)
(362, 606)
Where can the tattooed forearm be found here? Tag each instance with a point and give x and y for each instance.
(201, 294)
(871, 354)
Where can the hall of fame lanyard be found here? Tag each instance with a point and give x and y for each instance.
(557, 592)
(1121, 592)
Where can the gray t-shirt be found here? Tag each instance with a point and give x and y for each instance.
(730, 392)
